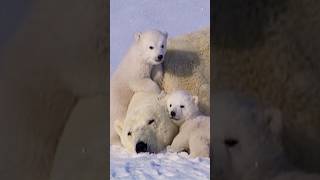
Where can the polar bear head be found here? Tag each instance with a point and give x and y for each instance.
(147, 127)
(152, 46)
(182, 105)
(246, 138)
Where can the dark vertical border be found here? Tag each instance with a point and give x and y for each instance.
(107, 43)
(244, 26)
(32, 63)
(211, 87)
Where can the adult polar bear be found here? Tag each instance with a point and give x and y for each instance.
(139, 70)
(147, 126)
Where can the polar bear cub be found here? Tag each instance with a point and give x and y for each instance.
(140, 70)
(194, 132)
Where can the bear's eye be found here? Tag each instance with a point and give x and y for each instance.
(150, 121)
(150, 47)
(129, 133)
(230, 142)
(170, 105)
(182, 106)
(162, 46)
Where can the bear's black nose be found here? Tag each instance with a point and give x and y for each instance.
(160, 57)
(173, 114)
(141, 147)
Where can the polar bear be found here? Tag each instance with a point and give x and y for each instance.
(194, 132)
(247, 141)
(147, 127)
(187, 66)
(140, 70)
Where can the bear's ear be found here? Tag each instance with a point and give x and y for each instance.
(162, 95)
(118, 126)
(274, 120)
(137, 36)
(195, 100)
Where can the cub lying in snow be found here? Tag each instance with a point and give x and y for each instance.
(194, 132)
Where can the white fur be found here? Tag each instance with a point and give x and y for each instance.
(138, 71)
(194, 132)
(143, 109)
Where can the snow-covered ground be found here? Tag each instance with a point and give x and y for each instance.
(166, 166)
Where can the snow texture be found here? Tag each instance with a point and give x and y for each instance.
(166, 166)
(174, 16)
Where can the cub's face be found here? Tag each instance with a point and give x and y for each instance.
(153, 44)
(181, 105)
(147, 130)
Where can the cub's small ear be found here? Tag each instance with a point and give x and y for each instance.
(273, 119)
(137, 36)
(118, 126)
(162, 96)
(195, 99)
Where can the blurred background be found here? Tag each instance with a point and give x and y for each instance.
(53, 78)
(11, 16)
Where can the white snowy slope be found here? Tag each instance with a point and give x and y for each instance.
(166, 166)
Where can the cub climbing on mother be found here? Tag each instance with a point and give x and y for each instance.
(140, 70)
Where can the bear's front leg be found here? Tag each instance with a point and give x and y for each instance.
(180, 143)
(157, 74)
(199, 146)
(144, 85)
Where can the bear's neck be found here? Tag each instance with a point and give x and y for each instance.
(193, 116)
(142, 67)
(144, 70)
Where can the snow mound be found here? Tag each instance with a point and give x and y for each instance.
(166, 166)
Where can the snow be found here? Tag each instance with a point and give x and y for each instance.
(176, 17)
(166, 166)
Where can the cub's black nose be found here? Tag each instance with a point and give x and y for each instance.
(160, 57)
(173, 114)
(141, 147)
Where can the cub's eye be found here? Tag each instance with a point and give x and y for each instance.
(129, 133)
(182, 106)
(230, 142)
(150, 121)
(162, 46)
(150, 47)
(170, 105)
